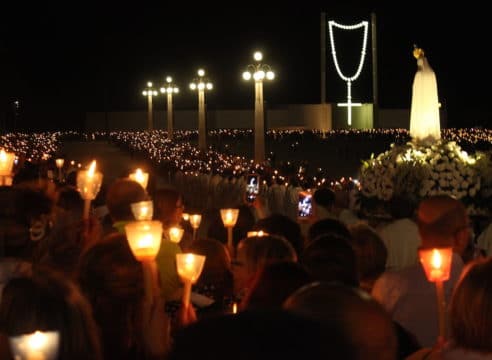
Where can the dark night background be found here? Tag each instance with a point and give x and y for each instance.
(61, 61)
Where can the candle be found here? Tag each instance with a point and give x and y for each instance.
(436, 263)
(189, 268)
(144, 238)
(59, 164)
(143, 210)
(234, 307)
(256, 233)
(89, 182)
(195, 220)
(229, 216)
(6, 163)
(175, 234)
(141, 177)
(186, 216)
(36, 346)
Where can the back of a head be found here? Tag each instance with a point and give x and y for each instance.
(165, 201)
(278, 224)
(112, 279)
(49, 302)
(370, 252)
(342, 309)
(274, 283)
(331, 258)
(402, 207)
(108, 270)
(327, 226)
(273, 334)
(439, 218)
(121, 194)
(471, 308)
(324, 197)
(217, 268)
(261, 250)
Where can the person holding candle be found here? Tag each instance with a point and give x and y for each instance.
(133, 322)
(47, 301)
(407, 294)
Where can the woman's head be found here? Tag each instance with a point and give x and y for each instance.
(471, 308)
(168, 206)
(47, 301)
(255, 252)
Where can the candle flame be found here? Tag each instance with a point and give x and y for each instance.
(92, 169)
(436, 259)
(145, 241)
(234, 308)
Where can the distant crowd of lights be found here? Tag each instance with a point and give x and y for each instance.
(181, 155)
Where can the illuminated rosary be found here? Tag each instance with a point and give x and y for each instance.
(349, 104)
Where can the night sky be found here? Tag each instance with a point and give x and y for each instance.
(61, 61)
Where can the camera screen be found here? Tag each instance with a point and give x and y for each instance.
(305, 204)
(252, 187)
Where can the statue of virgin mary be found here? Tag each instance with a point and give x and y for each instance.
(425, 125)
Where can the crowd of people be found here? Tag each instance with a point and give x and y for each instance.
(328, 285)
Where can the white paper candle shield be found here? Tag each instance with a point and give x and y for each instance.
(36, 346)
(143, 210)
(141, 177)
(229, 216)
(175, 234)
(144, 238)
(89, 182)
(6, 162)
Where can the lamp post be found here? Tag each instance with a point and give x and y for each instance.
(149, 92)
(259, 72)
(201, 84)
(170, 89)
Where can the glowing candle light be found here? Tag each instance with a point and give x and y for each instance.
(189, 268)
(195, 220)
(437, 266)
(229, 218)
(175, 234)
(6, 163)
(186, 216)
(36, 346)
(88, 184)
(141, 177)
(59, 164)
(257, 233)
(143, 210)
(144, 238)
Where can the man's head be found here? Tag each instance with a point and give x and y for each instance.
(364, 325)
(443, 221)
(121, 194)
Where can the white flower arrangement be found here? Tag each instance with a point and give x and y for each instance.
(422, 170)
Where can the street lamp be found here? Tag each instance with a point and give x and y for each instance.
(170, 89)
(201, 84)
(259, 72)
(149, 92)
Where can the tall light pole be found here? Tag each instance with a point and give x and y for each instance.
(201, 84)
(149, 92)
(259, 72)
(170, 89)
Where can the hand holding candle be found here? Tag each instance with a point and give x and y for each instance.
(189, 268)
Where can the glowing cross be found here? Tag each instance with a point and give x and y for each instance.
(349, 103)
